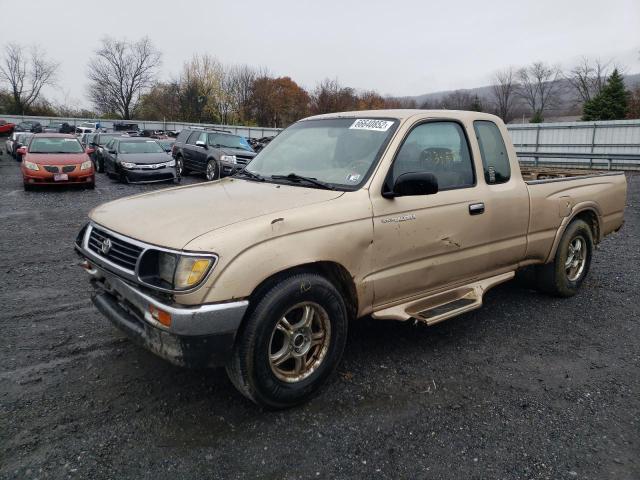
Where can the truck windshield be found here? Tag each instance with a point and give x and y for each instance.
(337, 151)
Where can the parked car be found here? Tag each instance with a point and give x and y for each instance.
(395, 214)
(86, 139)
(80, 131)
(212, 152)
(55, 159)
(8, 144)
(58, 127)
(6, 128)
(138, 160)
(22, 139)
(98, 141)
(166, 143)
(125, 127)
(29, 126)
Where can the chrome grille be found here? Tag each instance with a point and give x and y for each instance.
(51, 168)
(243, 160)
(120, 252)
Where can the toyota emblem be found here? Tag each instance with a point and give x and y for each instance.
(106, 246)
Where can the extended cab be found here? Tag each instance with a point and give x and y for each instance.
(397, 214)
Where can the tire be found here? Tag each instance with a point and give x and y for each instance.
(91, 186)
(100, 165)
(562, 280)
(262, 338)
(28, 188)
(212, 171)
(180, 170)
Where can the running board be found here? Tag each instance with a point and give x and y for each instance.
(442, 306)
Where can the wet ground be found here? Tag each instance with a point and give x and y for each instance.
(527, 387)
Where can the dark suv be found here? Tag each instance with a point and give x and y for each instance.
(215, 153)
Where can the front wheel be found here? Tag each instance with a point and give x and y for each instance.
(291, 342)
(213, 171)
(565, 274)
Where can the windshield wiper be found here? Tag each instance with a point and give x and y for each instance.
(249, 174)
(299, 178)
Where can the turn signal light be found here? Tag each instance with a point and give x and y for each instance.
(160, 315)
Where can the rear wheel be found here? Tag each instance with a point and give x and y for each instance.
(565, 274)
(213, 171)
(291, 342)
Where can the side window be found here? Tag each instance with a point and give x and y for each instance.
(182, 136)
(495, 159)
(193, 137)
(440, 148)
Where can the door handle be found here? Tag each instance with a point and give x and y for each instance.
(476, 208)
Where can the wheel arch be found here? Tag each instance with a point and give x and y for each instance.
(587, 212)
(336, 273)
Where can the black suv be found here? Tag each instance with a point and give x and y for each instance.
(216, 153)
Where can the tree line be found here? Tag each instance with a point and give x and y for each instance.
(123, 83)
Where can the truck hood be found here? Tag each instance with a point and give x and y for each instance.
(173, 217)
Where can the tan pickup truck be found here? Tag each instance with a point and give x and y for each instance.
(396, 214)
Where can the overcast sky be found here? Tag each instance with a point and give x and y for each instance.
(396, 47)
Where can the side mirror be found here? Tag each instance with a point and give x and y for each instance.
(413, 183)
(113, 152)
(89, 150)
(21, 151)
(200, 143)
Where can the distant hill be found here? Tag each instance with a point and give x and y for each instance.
(568, 107)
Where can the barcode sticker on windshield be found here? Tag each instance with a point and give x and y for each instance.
(370, 124)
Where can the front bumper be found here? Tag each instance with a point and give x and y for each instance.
(227, 168)
(149, 176)
(200, 336)
(43, 177)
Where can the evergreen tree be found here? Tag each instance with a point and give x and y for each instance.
(476, 105)
(611, 103)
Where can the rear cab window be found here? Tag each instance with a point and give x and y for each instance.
(495, 159)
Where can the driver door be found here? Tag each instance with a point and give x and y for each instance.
(424, 242)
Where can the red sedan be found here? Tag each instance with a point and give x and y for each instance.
(6, 128)
(56, 159)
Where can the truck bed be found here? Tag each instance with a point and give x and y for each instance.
(545, 173)
(558, 195)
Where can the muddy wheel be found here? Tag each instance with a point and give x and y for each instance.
(565, 274)
(291, 342)
(213, 171)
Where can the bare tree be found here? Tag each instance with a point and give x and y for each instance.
(26, 73)
(242, 80)
(120, 73)
(587, 78)
(503, 92)
(539, 88)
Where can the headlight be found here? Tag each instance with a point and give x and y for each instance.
(172, 271)
(128, 165)
(228, 158)
(86, 165)
(171, 163)
(31, 165)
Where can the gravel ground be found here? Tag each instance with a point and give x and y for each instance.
(527, 387)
